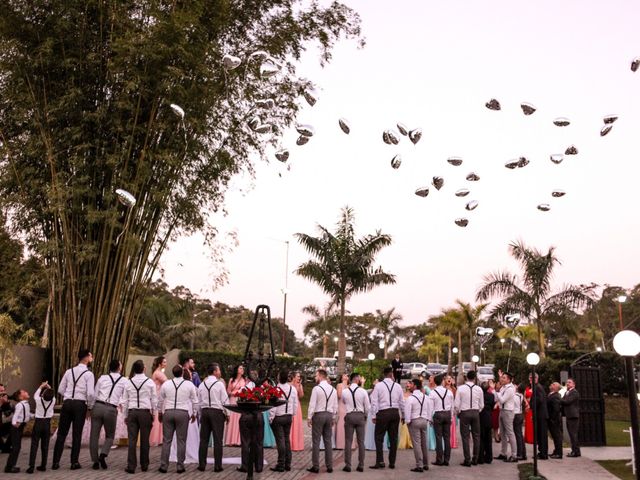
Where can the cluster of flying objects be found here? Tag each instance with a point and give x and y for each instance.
(484, 334)
(270, 67)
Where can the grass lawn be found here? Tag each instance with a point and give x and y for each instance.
(615, 435)
(525, 472)
(618, 468)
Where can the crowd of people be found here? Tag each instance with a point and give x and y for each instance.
(187, 415)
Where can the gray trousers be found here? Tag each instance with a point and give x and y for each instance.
(418, 432)
(321, 427)
(138, 422)
(470, 426)
(174, 421)
(354, 421)
(442, 429)
(507, 433)
(102, 415)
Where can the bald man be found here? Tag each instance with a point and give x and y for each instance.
(554, 408)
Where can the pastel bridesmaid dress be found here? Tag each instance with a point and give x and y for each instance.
(155, 438)
(297, 425)
(232, 435)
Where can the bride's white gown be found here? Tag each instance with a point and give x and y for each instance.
(193, 443)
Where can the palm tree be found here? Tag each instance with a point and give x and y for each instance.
(470, 317)
(433, 343)
(320, 324)
(343, 266)
(531, 297)
(387, 325)
(522, 334)
(451, 323)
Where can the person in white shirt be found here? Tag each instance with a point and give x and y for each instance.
(45, 402)
(178, 397)
(139, 406)
(77, 390)
(387, 405)
(418, 411)
(21, 416)
(357, 406)
(442, 402)
(507, 400)
(104, 413)
(212, 395)
(280, 419)
(468, 404)
(518, 422)
(321, 416)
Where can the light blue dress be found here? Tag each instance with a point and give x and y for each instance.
(269, 440)
(431, 434)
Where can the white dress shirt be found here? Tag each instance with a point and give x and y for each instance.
(291, 399)
(386, 394)
(212, 393)
(77, 384)
(139, 394)
(417, 405)
(441, 399)
(44, 409)
(178, 394)
(323, 399)
(517, 404)
(109, 389)
(21, 414)
(506, 397)
(354, 393)
(469, 397)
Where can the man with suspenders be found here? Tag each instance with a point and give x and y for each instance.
(442, 403)
(41, 433)
(178, 399)
(280, 419)
(417, 414)
(104, 412)
(321, 415)
(469, 403)
(77, 389)
(139, 400)
(387, 404)
(213, 396)
(357, 406)
(506, 396)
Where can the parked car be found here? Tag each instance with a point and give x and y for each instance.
(485, 373)
(329, 364)
(411, 370)
(436, 368)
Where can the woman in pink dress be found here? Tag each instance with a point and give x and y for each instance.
(450, 384)
(158, 377)
(297, 425)
(339, 428)
(237, 383)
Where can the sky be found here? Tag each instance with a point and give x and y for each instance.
(434, 65)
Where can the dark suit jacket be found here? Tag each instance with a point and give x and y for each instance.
(487, 411)
(396, 365)
(540, 405)
(554, 407)
(571, 404)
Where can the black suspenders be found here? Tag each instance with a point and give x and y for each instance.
(138, 389)
(24, 414)
(442, 398)
(75, 382)
(208, 390)
(421, 402)
(470, 396)
(175, 400)
(45, 408)
(353, 395)
(113, 385)
(390, 390)
(286, 397)
(327, 397)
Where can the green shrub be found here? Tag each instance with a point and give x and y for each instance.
(370, 370)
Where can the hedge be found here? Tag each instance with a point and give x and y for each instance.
(371, 370)
(228, 361)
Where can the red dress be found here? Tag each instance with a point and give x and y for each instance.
(528, 418)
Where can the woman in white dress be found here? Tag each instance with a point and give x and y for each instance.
(193, 436)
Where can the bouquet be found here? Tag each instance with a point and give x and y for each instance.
(266, 393)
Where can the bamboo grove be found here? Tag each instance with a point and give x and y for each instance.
(85, 94)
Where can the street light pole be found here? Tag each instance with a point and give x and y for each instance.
(285, 291)
(621, 299)
(533, 359)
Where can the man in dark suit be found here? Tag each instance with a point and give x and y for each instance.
(397, 365)
(571, 406)
(554, 422)
(540, 413)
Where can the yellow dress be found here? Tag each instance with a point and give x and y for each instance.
(404, 439)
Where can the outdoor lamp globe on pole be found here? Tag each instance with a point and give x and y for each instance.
(620, 299)
(371, 358)
(533, 359)
(475, 359)
(627, 344)
(502, 340)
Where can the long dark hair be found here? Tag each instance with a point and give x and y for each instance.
(156, 363)
(235, 372)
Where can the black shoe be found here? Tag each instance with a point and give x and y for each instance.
(360, 469)
(417, 469)
(466, 464)
(313, 470)
(218, 469)
(145, 468)
(573, 455)
(555, 456)
(543, 457)
(445, 464)
(258, 470)
(11, 470)
(500, 457)
(377, 466)
(95, 466)
(425, 468)
(277, 469)
(511, 460)
(129, 470)
(55, 466)
(347, 469)
(392, 466)
(474, 461)
(201, 468)
(437, 464)
(241, 469)
(76, 466)
(42, 468)
(162, 470)
(180, 470)
(329, 470)
(103, 461)
(30, 470)
(521, 458)
(286, 468)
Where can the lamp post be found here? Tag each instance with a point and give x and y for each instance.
(627, 344)
(475, 359)
(285, 292)
(371, 358)
(502, 340)
(533, 359)
(621, 299)
(454, 350)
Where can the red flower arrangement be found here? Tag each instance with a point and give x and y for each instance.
(263, 394)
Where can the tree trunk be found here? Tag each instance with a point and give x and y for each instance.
(471, 345)
(325, 346)
(460, 370)
(449, 357)
(386, 346)
(342, 343)
(541, 345)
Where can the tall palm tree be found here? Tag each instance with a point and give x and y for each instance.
(343, 266)
(319, 325)
(531, 296)
(387, 325)
(451, 323)
(470, 317)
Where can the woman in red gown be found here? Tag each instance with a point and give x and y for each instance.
(528, 417)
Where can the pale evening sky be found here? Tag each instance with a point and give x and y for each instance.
(434, 65)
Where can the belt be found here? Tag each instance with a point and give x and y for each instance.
(207, 408)
(139, 409)
(108, 404)
(386, 409)
(469, 410)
